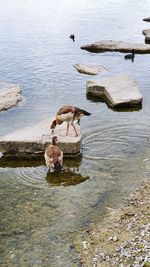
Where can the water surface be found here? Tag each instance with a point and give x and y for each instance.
(39, 215)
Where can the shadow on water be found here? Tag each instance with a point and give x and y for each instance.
(66, 177)
(70, 174)
(14, 163)
(33, 172)
(118, 108)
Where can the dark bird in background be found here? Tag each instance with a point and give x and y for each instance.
(53, 156)
(130, 56)
(72, 37)
(68, 114)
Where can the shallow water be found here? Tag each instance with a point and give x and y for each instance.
(40, 215)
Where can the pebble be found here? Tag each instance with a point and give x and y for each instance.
(136, 250)
(85, 243)
(12, 256)
(115, 238)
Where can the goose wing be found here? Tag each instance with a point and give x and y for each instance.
(53, 152)
(66, 109)
(80, 112)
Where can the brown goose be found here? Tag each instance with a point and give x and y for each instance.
(53, 156)
(68, 114)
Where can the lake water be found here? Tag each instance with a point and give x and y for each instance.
(40, 216)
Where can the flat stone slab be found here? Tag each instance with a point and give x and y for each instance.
(30, 142)
(90, 69)
(147, 35)
(116, 46)
(147, 19)
(10, 95)
(118, 90)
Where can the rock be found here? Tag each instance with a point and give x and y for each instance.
(30, 142)
(110, 45)
(142, 233)
(110, 238)
(147, 19)
(10, 95)
(118, 90)
(132, 248)
(115, 238)
(129, 227)
(12, 256)
(90, 69)
(85, 244)
(147, 35)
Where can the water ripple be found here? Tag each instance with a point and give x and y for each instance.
(38, 177)
(117, 142)
(30, 176)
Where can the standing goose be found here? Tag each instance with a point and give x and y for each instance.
(53, 156)
(68, 114)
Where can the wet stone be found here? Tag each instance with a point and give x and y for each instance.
(30, 142)
(116, 46)
(10, 95)
(90, 69)
(117, 90)
(147, 35)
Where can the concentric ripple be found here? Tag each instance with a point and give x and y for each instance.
(30, 176)
(118, 142)
(39, 177)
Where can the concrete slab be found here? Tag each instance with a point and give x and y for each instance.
(116, 46)
(10, 95)
(118, 90)
(90, 69)
(30, 142)
(147, 35)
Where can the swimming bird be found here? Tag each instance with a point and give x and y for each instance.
(72, 37)
(68, 114)
(130, 56)
(53, 156)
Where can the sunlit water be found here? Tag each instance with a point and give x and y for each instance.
(40, 214)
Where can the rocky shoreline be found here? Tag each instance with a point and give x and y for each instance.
(123, 238)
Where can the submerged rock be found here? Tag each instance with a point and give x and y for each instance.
(116, 46)
(10, 95)
(90, 69)
(117, 90)
(66, 177)
(30, 142)
(147, 35)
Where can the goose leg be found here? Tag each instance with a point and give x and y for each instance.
(67, 132)
(78, 122)
(76, 133)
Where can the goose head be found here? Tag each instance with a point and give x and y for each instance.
(53, 126)
(57, 166)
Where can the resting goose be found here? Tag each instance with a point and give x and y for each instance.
(53, 156)
(68, 114)
(130, 56)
